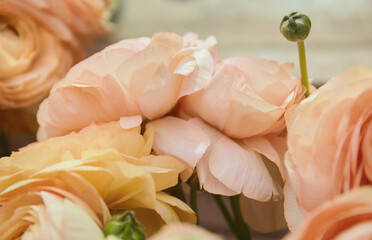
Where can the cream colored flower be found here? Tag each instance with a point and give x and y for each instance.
(44, 213)
(113, 161)
(32, 58)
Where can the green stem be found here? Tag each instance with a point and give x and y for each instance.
(302, 56)
(194, 202)
(225, 212)
(177, 192)
(4, 145)
(243, 231)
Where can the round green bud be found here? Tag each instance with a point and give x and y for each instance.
(295, 26)
(125, 227)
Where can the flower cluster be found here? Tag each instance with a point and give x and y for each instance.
(127, 123)
(217, 116)
(82, 179)
(40, 41)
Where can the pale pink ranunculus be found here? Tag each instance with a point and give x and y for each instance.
(85, 18)
(242, 113)
(224, 166)
(32, 58)
(330, 140)
(184, 231)
(45, 213)
(144, 76)
(347, 216)
(247, 97)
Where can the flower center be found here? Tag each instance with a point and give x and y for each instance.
(11, 43)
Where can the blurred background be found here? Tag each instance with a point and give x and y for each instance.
(341, 34)
(341, 37)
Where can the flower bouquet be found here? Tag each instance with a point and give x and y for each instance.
(130, 136)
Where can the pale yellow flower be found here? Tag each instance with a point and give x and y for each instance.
(45, 213)
(183, 231)
(113, 161)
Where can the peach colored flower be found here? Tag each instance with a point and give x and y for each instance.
(32, 58)
(45, 213)
(330, 139)
(144, 76)
(83, 17)
(184, 231)
(247, 97)
(347, 216)
(114, 162)
(242, 113)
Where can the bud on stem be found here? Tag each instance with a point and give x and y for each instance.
(125, 227)
(296, 27)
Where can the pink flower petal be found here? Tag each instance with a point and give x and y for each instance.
(236, 168)
(179, 138)
(130, 122)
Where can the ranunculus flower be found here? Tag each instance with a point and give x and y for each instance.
(241, 112)
(83, 17)
(347, 216)
(144, 76)
(330, 139)
(247, 97)
(45, 213)
(32, 58)
(184, 231)
(113, 161)
(217, 157)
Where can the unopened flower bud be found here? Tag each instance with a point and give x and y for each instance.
(295, 26)
(125, 227)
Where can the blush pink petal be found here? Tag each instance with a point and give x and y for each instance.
(196, 72)
(254, 93)
(191, 40)
(179, 138)
(272, 147)
(228, 158)
(144, 76)
(130, 122)
(293, 215)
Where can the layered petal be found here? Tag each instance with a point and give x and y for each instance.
(181, 139)
(254, 93)
(226, 158)
(134, 77)
(32, 58)
(105, 166)
(47, 212)
(328, 137)
(347, 216)
(183, 231)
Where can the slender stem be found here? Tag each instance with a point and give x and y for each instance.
(225, 212)
(4, 145)
(177, 192)
(194, 201)
(302, 56)
(243, 232)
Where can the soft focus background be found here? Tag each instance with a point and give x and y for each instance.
(341, 37)
(341, 34)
